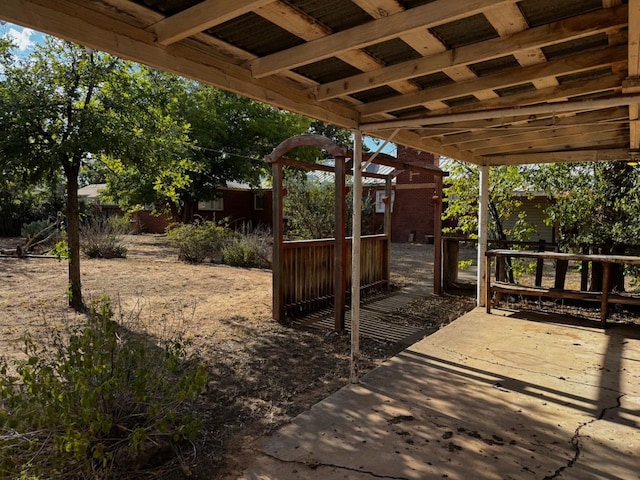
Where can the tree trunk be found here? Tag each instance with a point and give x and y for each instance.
(73, 236)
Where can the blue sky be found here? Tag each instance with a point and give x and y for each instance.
(26, 38)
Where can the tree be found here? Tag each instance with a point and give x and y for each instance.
(594, 204)
(228, 137)
(62, 106)
(462, 199)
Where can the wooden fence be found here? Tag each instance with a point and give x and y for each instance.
(307, 269)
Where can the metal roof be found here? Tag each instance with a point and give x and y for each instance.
(483, 81)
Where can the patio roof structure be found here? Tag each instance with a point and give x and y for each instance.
(488, 82)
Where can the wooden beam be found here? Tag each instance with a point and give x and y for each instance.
(552, 122)
(565, 30)
(102, 32)
(564, 66)
(307, 28)
(423, 42)
(200, 17)
(573, 137)
(634, 69)
(531, 139)
(422, 17)
(508, 20)
(600, 155)
(544, 109)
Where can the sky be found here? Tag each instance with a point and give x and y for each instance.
(26, 39)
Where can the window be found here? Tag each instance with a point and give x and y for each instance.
(258, 201)
(217, 205)
(380, 203)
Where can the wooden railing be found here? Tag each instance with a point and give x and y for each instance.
(604, 297)
(308, 271)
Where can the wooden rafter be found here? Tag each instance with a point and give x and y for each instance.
(551, 122)
(422, 17)
(560, 137)
(565, 66)
(525, 41)
(301, 25)
(201, 17)
(633, 82)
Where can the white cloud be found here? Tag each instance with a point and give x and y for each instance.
(21, 37)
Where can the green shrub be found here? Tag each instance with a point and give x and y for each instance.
(32, 229)
(250, 250)
(102, 237)
(101, 400)
(198, 241)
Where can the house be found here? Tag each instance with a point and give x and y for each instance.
(413, 207)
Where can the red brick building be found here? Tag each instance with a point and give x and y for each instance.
(412, 217)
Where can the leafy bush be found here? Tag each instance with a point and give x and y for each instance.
(198, 241)
(99, 402)
(249, 250)
(32, 229)
(102, 237)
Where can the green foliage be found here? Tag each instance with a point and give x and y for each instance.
(465, 264)
(61, 248)
(226, 138)
(594, 203)
(198, 241)
(248, 250)
(462, 198)
(102, 237)
(34, 229)
(101, 400)
(309, 208)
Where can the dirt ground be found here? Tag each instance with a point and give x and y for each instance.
(261, 373)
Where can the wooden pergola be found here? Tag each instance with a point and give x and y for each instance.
(490, 82)
(311, 274)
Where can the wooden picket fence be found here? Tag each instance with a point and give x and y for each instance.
(308, 271)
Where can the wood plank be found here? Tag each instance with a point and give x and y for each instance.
(553, 121)
(307, 28)
(508, 20)
(622, 259)
(386, 28)
(200, 17)
(634, 69)
(559, 142)
(568, 65)
(533, 138)
(537, 37)
(601, 155)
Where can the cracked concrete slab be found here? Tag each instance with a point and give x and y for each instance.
(503, 396)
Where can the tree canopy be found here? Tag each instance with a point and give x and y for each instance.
(225, 140)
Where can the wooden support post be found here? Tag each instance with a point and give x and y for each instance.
(561, 274)
(501, 268)
(340, 254)
(486, 261)
(355, 258)
(277, 261)
(437, 237)
(540, 264)
(450, 254)
(604, 304)
(584, 271)
(388, 193)
(483, 221)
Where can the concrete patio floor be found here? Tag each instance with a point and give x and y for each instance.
(504, 396)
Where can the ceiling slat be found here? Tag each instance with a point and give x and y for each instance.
(386, 28)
